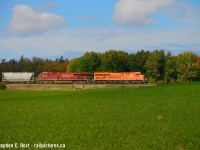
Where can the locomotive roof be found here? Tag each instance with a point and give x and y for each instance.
(115, 72)
(66, 72)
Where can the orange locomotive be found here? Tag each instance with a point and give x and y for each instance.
(123, 77)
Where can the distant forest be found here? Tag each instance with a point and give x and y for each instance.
(157, 65)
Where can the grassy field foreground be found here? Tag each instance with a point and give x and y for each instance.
(163, 117)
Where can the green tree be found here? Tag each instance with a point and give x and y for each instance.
(186, 66)
(2, 67)
(136, 62)
(37, 64)
(90, 62)
(114, 61)
(170, 68)
(155, 65)
(20, 64)
(74, 65)
(12, 65)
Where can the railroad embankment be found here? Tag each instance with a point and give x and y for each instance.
(70, 86)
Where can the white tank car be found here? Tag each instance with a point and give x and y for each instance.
(17, 76)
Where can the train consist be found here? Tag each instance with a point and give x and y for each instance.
(75, 77)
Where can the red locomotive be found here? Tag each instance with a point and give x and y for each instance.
(75, 77)
(123, 77)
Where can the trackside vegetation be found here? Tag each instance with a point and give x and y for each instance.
(156, 65)
(2, 86)
(160, 117)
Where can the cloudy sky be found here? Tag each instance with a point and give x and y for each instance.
(53, 28)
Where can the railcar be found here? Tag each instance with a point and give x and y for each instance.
(18, 77)
(75, 77)
(123, 77)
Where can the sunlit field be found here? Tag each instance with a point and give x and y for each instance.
(161, 117)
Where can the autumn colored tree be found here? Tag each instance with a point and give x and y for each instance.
(197, 66)
(27, 65)
(6, 66)
(47, 65)
(59, 65)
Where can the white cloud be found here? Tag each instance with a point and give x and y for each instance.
(27, 21)
(63, 41)
(133, 12)
(47, 5)
(185, 13)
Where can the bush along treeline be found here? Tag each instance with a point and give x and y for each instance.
(2, 86)
(156, 65)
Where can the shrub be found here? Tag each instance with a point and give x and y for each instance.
(151, 81)
(2, 86)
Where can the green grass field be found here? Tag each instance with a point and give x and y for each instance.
(162, 117)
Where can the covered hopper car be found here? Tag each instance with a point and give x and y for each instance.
(75, 77)
(18, 77)
(123, 77)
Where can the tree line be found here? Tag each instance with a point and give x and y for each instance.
(157, 65)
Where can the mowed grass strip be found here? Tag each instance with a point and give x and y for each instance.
(163, 117)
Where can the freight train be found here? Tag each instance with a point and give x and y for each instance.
(75, 77)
